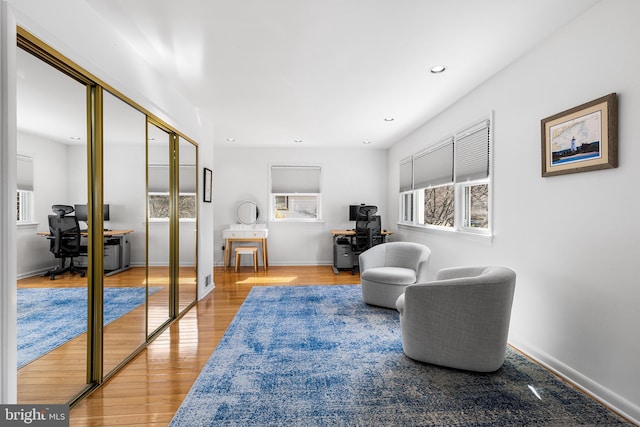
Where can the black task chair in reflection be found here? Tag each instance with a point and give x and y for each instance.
(368, 231)
(65, 240)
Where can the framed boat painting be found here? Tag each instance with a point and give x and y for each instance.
(581, 139)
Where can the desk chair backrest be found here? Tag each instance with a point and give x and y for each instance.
(65, 231)
(368, 232)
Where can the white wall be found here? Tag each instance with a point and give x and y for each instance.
(125, 191)
(348, 177)
(572, 239)
(50, 185)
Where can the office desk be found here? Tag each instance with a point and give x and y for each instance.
(343, 256)
(121, 261)
(105, 233)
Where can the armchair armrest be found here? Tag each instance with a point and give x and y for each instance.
(57, 240)
(457, 272)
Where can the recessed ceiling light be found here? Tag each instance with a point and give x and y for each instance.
(297, 140)
(437, 69)
(389, 119)
(230, 139)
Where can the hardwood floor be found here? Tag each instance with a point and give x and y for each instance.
(152, 386)
(59, 375)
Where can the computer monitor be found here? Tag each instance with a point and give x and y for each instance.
(82, 213)
(353, 212)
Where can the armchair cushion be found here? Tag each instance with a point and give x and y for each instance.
(390, 275)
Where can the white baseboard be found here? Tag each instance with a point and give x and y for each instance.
(603, 395)
(39, 272)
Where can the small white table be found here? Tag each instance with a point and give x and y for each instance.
(237, 234)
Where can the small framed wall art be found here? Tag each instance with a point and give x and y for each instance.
(208, 182)
(581, 139)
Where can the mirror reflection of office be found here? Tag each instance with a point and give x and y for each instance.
(82, 214)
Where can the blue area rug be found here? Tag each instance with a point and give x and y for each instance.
(318, 356)
(49, 317)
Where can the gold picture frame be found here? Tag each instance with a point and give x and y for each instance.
(581, 139)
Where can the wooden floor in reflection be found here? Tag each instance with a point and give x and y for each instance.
(149, 390)
(60, 375)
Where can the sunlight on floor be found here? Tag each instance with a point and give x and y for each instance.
(260, 280)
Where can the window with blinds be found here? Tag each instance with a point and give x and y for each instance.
(434, 166)
(472, 152)
(295, 193)
(406, 174)
(24, 183)
(447, 185)
(158, 186)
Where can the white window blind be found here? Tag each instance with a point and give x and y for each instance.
(158, 176)
(406, 174)
(472, 152)
(434, 166)
(25, 173)
(295, 179)
(187, 178)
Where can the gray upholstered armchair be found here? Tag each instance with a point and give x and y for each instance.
(387, 269)
(460, 320)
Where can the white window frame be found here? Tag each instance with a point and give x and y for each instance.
(407, 199)
(461, 222)
(316, 196)
(25, 197)
(419, 199)
(24, 208)
(464, 203)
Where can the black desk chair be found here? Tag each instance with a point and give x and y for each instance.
(368, 231)
(64, 240)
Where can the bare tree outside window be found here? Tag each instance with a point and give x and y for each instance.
(187, 206)
(477, 215)
(439, 206)
(159, 206)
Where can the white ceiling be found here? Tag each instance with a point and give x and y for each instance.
(328, 72)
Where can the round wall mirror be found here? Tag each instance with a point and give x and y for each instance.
(247, 212)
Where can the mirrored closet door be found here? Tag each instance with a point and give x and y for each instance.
(124, 185)
(159, 208)
(52, 283)
(188, 223)
(124, 241)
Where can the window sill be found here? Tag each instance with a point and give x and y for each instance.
(296, 221)
(27, 225)
(459, 234)
(165, 220)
